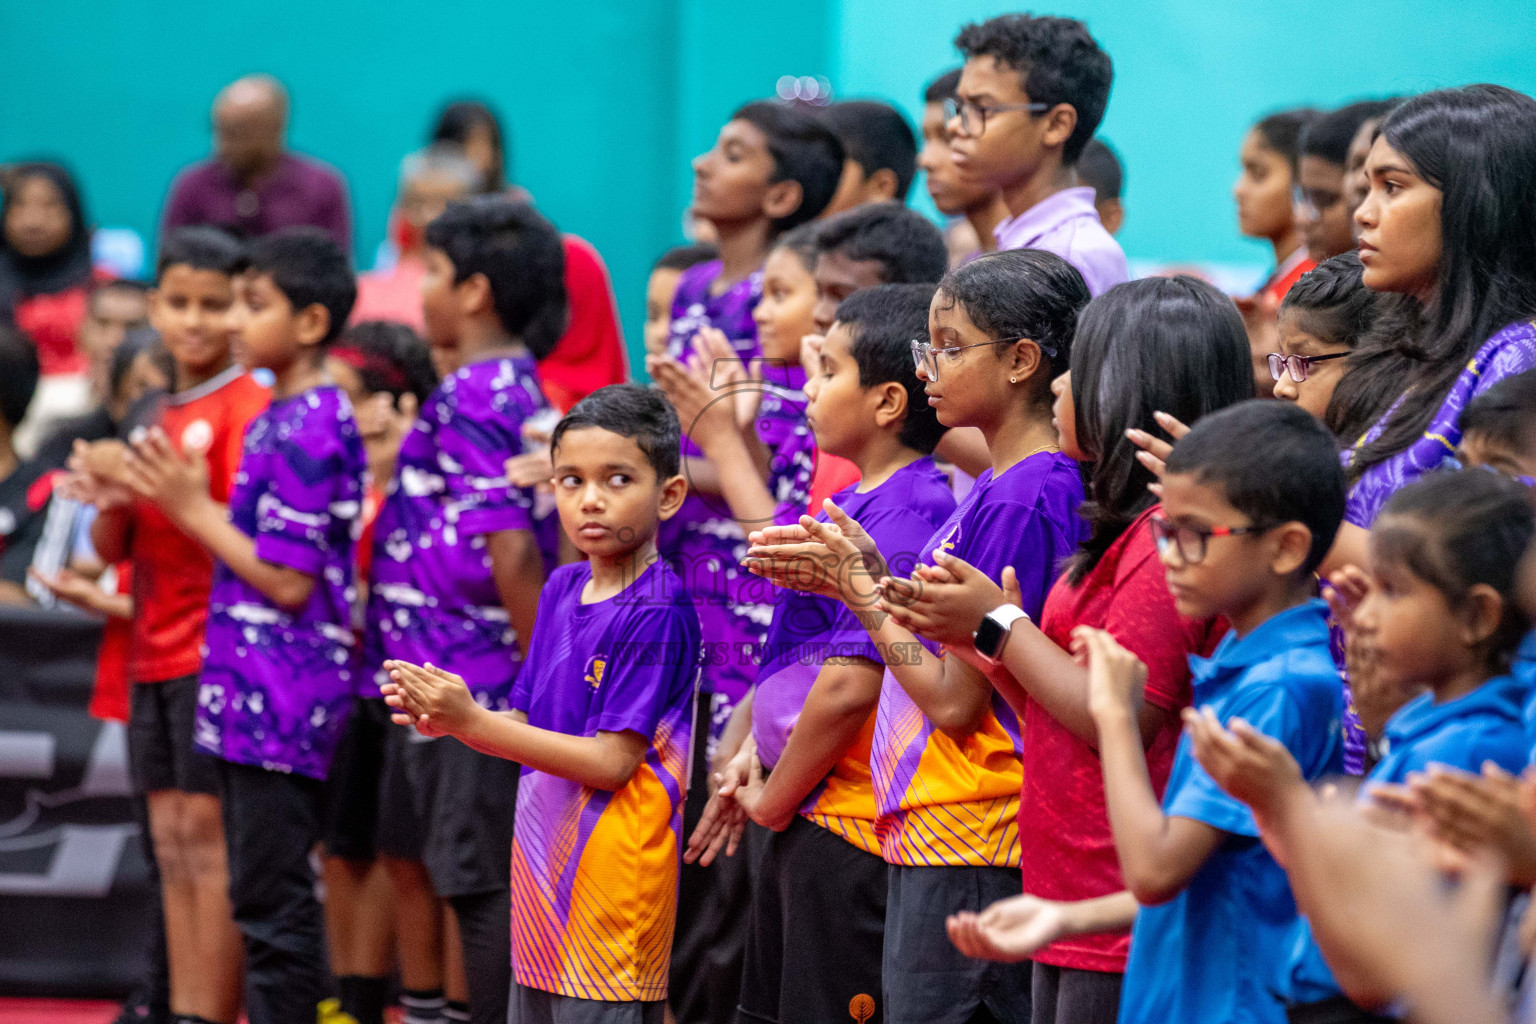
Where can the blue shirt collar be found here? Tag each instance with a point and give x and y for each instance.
(1305, 625)
(1502, 696)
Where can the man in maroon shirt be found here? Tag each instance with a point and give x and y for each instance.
(253, 186)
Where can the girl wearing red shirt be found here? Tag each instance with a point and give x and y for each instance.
(1166, 343)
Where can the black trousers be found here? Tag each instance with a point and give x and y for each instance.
(154, 992)
(271, 822)
(485, 930)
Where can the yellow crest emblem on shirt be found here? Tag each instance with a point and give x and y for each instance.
(595, 666)
(947, 545)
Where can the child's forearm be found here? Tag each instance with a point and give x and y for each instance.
(1113, 913)
(517, 567)
(284, 586)
(1135, 816)
(950, 699)
(840, 702)
(605, 761)
(740, 482)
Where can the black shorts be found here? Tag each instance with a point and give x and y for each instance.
(1068, 995)
(352, 786)
(815, 931)
(398, 832)
(927, 980)
(534, 1006)
(466, 801)
(1337, 1010)
(161, 754)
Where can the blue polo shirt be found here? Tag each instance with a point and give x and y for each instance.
(1487, 724)
(1525, 670)
(1208, 954)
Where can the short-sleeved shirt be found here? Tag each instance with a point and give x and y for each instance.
(1510, 351)
(594, 872)
(947, 803)
(172, 573)
(1067, 224)
(1209, 953)
(299, 191)
(703, 541)
(1487, 724)
(900, 514)
(432, 594)
(1067, 848)
(277, 683)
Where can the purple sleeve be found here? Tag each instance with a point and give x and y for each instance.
(293, 522)
(473, 448)
(641, 678)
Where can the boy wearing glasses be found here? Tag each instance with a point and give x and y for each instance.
(1239, 537)
(1031, 95)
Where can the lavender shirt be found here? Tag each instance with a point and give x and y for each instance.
(703, 542)
(299, 191)
(277, 684)
(1067, 224)
(433, 596)
(901, 514)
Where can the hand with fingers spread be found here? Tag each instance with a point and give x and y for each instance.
(176, 482)
(947, 601)
(701, 410)
(1117, 679)
(724, 819)
(837, 559)
(1251, 767)
(531, 469)
(1470, 812)
(717, 365)
(1375, 699)
(434, 700)
(1154, 450)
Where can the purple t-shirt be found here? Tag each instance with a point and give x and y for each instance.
(900, 514)
(594, 872)
(703, 541)
(277, 684)
(299, 192)
(433, 596)
(1067, 224)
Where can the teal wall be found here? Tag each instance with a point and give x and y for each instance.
(608, 99)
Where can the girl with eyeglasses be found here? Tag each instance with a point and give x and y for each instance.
(1322, 319)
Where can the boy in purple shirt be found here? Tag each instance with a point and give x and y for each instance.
(457, 565)
(276, 682)
(1031, 96)
(601, 722)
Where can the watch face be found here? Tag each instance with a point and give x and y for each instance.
(989, 635)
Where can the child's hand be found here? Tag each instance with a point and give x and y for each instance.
(837, 559)
(177, 483)
(531, 469)
(719, 367)
(724, 820)
(750, 797)
(1154, 450)
(946, 602)
(68, 585)
(1473, 811)
(1250, 766)
(436, 701)
(810, 354)
(703, 412)
(1009, 931)
(1117, 679)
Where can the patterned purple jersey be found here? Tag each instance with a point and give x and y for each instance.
(433, 596)
(277, 684)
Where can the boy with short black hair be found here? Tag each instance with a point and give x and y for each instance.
(212, 400)
(661, 288)
(819, 684)
(600, 719)
(1324, 212)
(457, 562)
(882, 244)
(879, 154)
(276, 685)
(981, 207)
(1498, 428)
(1239, 538)
(1031, 96)
(1099, 169)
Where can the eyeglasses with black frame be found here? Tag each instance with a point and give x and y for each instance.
(973, 116)
(1191, 541)
(1297, 366)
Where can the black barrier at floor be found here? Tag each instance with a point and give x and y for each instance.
(73, 884)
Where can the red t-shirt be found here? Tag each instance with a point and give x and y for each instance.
(832, 474)
(172, 573)
(590, 354)
(1067, 849)
(1288, 273)
(109, 697)
(53, 323)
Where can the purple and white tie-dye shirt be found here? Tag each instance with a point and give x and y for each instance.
(277, 683)
(433, 596)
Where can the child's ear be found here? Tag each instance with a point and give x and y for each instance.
(880, 187)
(673, 491)
(890, 405)
(474, 294)
(1060, 121)
(312, 324)
(1027, 357)
(1292, 545)
(783, 199)
(1482, 612)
